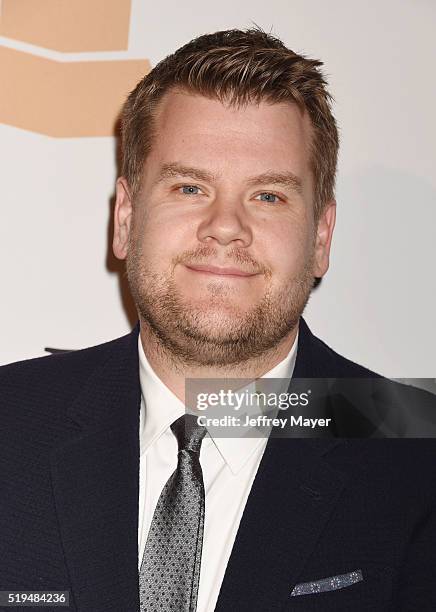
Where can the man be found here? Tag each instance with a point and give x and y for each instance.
(224, 213)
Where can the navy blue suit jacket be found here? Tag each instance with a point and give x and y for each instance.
(69, 478)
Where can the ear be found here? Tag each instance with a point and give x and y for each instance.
(122, 218)
(323, 241)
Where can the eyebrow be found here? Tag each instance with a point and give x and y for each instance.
(286, 179)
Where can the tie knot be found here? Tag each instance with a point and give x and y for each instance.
(188, 433)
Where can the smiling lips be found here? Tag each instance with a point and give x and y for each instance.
(221, 271)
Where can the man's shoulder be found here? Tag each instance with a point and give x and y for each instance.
(345, 365)
(81, 359)
(325, 361)
(365, 403)
(58, 376)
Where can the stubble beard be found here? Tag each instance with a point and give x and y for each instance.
(190, 336)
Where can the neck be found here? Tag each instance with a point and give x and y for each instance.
(173, 372)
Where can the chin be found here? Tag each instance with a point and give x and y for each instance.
(223, 315)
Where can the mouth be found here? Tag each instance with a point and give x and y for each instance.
(221, 271)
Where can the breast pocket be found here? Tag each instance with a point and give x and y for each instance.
(373, 593)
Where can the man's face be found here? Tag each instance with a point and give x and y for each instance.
(221, 243)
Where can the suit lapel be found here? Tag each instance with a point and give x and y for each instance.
(293, 495)
(291, 499)
(95, 476)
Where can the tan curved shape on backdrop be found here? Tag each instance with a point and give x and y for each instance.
(65, 99)
(68, 25)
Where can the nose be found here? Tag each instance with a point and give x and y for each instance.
(225, 222)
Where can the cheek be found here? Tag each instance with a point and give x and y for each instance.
(161, 239)
(290, 247)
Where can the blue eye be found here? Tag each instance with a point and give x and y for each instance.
(190, 189)
(269, 197)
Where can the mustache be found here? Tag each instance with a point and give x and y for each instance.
(204, 255)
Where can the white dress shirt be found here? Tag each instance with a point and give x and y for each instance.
(229, 466)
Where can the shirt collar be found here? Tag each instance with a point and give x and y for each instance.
(160, 407)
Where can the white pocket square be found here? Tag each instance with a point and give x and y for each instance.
(328, 584)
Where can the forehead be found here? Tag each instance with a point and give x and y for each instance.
(191, 124)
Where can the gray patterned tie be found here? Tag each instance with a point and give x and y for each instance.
(170, 569)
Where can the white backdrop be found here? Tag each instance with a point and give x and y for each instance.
(60, 285)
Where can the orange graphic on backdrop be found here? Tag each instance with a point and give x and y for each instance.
(68, 25)
(66, 99)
